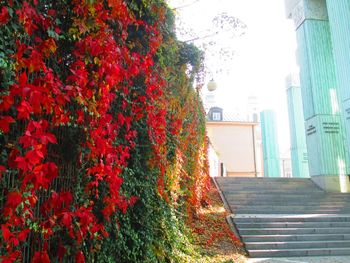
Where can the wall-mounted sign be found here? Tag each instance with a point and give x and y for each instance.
(310, 130)
(331, 127)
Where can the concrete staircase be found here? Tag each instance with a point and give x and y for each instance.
(286, 217)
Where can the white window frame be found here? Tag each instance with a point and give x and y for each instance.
(216, 116)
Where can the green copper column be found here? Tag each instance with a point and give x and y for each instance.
(324, 128)
(339, 21)
(297, 129)
(270, 144)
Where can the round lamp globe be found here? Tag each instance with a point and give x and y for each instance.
(212, 85)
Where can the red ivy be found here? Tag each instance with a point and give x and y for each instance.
(4, 15)
(102, 69)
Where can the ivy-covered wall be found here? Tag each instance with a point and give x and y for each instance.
(102, 136)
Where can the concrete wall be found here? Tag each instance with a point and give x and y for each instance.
(234, 143)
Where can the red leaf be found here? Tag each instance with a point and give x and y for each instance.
(11, 257)
(66, 198)
(5, 122)
(48, 46)
(36, 99)
(13, 199)
(51, 12)
(4, 15)
(79, 257)
(41, 257)
(24, 109)
(12, 158)
(2, 170)
(67, 220)
(6, 103)
(35, 61)
(51, 138)
(6, 234)
(80, 114)
(61, 251)
(23, 80)
(133, 200)
(22, 163)
(23, 234)
(48, 137)
(52, 170)
(26, 140)
(28, 16)
(34, 156)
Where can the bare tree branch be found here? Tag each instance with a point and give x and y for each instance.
(201, 37)
(186, 5)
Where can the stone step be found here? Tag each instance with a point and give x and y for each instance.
(260, 179)
(263, 181)
(278, 195)
(293, 231)
(289, 238)
(287, 207)
(266, 190)
(288, 217)
(269, 191)
(267, 183)
(282, 212)
(299, 252)
(293, 225)
(270, 208)
(298, 244)
(291, 218)
(292, 203)
(270, 186)
(285, 195)
(285, 200)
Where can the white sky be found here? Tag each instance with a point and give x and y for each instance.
(263, 58)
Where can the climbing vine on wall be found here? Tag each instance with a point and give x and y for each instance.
(102, 135)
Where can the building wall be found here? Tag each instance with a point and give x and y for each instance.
(320, 93)
(297, 130)
(214, 162)
(339, 17)
(270, 144)
(234, 144)
(324, 132)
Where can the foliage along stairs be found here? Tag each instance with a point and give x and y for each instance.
(287, 217)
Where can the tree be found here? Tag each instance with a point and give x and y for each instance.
(217, 41)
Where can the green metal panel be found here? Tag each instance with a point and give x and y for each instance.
(317, 68)
(272, 167)
(297, 133)
(300, 164)
(339, 20)
(325, 145)
(324, 129)
(339, 17)
(270, 144)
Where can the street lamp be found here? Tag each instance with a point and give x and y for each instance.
(212, 85)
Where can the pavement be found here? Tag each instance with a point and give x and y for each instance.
(340, 259)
